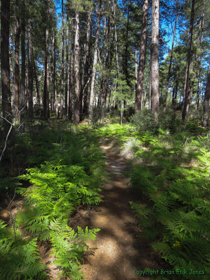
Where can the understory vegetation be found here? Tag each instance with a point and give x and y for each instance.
(65, 167)
(169, 166)
(171, 171)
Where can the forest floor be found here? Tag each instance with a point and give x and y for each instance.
(117, 252)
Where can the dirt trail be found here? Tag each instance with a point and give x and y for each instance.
(116, 252)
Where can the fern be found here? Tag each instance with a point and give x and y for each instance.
(20, 259)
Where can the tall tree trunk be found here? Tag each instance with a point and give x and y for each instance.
(30, 69)
(169, 69)
(17, 71)
(140, 80)
(200, 35)
(155, 59)
(107, 63)
(11, 59)
(86, 64)
(76, 100)
(67, 67)
(37, 84)
(71, 74)
(5, 71)
(206, 101)
(136, 69)
(184, 111)
(54, 73)
(62, 63)
(126, 47)
(92, 89)
(46, 80)
(23, 57)
(116, 51)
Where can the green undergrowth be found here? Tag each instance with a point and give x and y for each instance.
(174, 175)
(66, 169)
(172, 172)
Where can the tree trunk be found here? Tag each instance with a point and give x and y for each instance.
(86, 64)
(37, 84)
(11, 65)
(184, 113)
(17, 71)
(76, 100)
(154, 59)
(85, 68)
(67, 67)
(30, 70)
(136, 69)
(206, 101)
(200, 35)
(5, 71)
(92, 90)
(71, 73)
(139, 87)
(107, 63)
(62, 63)
(169, 69)
(23, 57)
(46, 80)
(54, 73)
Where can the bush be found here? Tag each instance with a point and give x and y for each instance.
(144, 120)
(167, 120)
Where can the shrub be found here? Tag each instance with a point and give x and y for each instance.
(144, 120)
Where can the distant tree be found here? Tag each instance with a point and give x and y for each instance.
(206, 101)
(17, 74)
(155, 58)
(5, 70)
(186, 99)
(76, 65)
(140, 79)
(30, 69)
(92, 89)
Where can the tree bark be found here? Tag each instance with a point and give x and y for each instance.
(67, 67)
(206, 101)
(140, 80)
(23, 57)
(169, 69)
(17, 71)
(76, 100)
(184, 113)
(62, 62)
(46, 81)
(30, 69)
(54, 73)
(5, 71)
(86, 64)
(155, 59)
(200, 35)
(37, 84)
(107, 63)
(71, 74)
(92, 90)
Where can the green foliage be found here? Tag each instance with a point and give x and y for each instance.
(180, 212)
(144, 120)
(20, 258)
(71, 175)
(69, 248)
